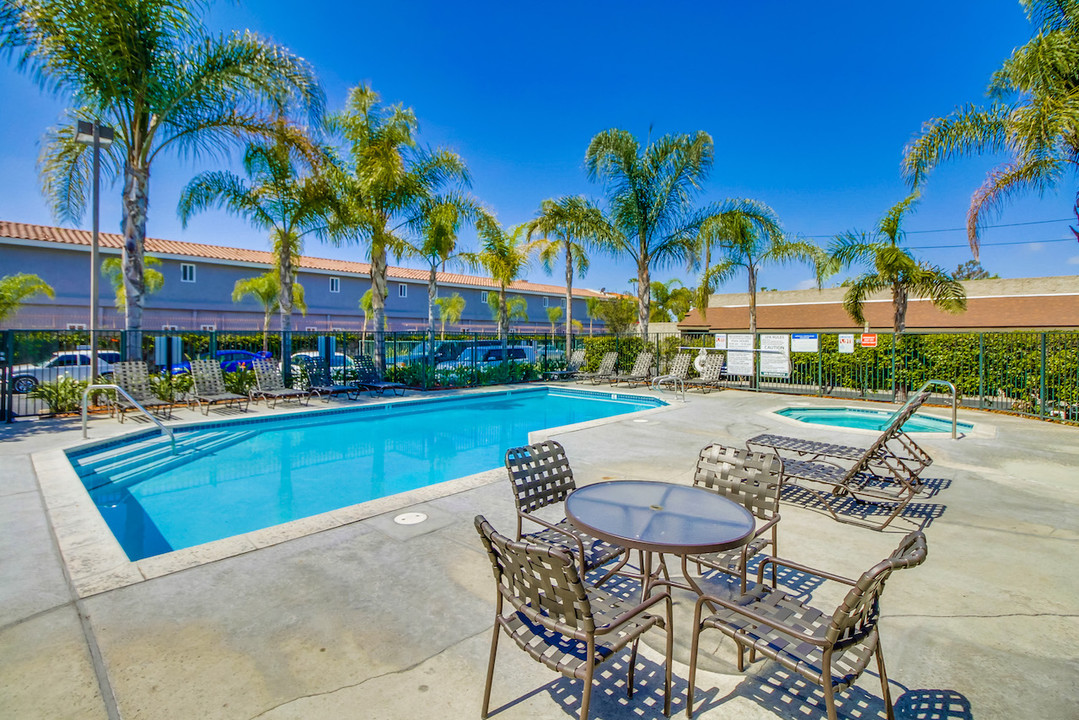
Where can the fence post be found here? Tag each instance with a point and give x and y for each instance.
(981, 370)
(820, 364)
(213, 344)
(1041, 392)
(895, 385)
(7, 390)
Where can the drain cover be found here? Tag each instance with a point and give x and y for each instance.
(640, 420)
(412, 518)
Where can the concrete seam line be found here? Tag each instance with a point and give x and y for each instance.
(96, 660)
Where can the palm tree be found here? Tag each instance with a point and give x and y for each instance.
(554, 314)
(390, 180)
(113, 269)
(151, 71)
(670, 300)
(569, 225)
(450, 310)
(594, 307)
(266, 289)
(749, 235)
(275, 197)
(16, 289)
(503, 256)
(1033, 118)
(890, 267)
(650, 192)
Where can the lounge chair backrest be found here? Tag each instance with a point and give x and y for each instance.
(904, 413)
(680, 366)
(606, 365)
(318, 375)
(365, 369)
(134, 378)
(267, 375)
(539, 581)
(576, 360)
(747, 477)
(857, 615)
(207, 378)
(713, 366)
(540, 475)
(643, 365)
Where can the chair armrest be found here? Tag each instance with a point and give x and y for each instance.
(562, 531)
(780, 562)
(755, 617)
(767, 526)
(634, 611)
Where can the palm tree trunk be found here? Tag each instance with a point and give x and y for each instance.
(503, 314)
(753, 317)
(266, 328)
(432, 293)
(569, 300)
(284, 269)
(899, 302)
(644, 296)
(378, 299)
(136, 201)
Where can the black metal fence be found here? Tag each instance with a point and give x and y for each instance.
(1027, 373)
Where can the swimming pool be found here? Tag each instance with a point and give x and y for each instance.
(238, 476)
(869, 419)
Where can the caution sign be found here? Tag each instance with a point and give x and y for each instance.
(869, 340)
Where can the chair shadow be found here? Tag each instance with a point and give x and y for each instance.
(918, 514)
(790, 696)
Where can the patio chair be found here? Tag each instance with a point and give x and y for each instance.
(321, 383)
(676, 373)
(208, 385)
(749, 478)
(709, 377)
(272, 387)
(606, 369)
(134, 378)
(894, 452)
(829, 648)
(641, 372)
(367, 378)
(573, 366)
(540, 476)
(560, 621)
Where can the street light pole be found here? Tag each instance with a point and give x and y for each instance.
(99, 136)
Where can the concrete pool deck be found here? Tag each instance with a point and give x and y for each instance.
(369, 619)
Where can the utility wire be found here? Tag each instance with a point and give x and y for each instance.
(1011, 242)
(963, 229)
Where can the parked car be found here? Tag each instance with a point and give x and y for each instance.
(445, 351)
(341, 365)
(26, 377)
(231, 360)
(487, 356)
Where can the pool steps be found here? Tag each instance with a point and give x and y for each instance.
(149, 457)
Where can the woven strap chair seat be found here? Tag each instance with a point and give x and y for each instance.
(865, 486)
(605, 370)
(709, 378)
(576, 360)
(730, 561)
(641, 372)
(134, 377)
(898, 449)
(568, 655)
(596, 552)
(794, 654)
(272, 386)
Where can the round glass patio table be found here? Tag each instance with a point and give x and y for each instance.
(660, 517)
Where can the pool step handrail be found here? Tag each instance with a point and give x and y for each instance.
(86, 396)
(676, 384)
(950, 385)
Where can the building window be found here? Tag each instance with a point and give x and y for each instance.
(562, 302)
(546, 302)
(208, 328)
(402, 290)
(483, 296)
(335, 284)
(169, 327)
(310, 329)
(187, 272)
(76, 326)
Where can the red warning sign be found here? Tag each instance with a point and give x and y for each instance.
(869, 340)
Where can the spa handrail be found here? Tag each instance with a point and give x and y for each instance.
(164, 428)
(954, 399)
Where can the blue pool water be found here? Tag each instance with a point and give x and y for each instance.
(239, 476)
(869, 419)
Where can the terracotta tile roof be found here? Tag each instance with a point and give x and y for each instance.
(157, 246)
(983, 313)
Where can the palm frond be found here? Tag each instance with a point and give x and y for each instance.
(963, 133)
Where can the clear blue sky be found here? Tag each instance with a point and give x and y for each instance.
(810, 106)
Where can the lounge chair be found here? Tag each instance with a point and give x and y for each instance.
(321, 383)
(560, 621)
(641, 372)
(272, 387)
(576, 360)
(541, 477)
(752, 479)
(709, 378)
(676, 373)
(209, 386)
(830, 648)
(367, 378)
(134, 378)
(894, 451)
(606, 369)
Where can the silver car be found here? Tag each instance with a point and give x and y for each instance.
(75, 364)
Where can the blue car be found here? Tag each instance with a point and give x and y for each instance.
(231, 360)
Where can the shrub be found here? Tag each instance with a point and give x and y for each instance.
(63, 395)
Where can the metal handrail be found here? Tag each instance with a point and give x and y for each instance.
(164, 428)
(657, 383)
(954, 399)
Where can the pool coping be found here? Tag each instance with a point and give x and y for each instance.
(979, 429)
(96, 562)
